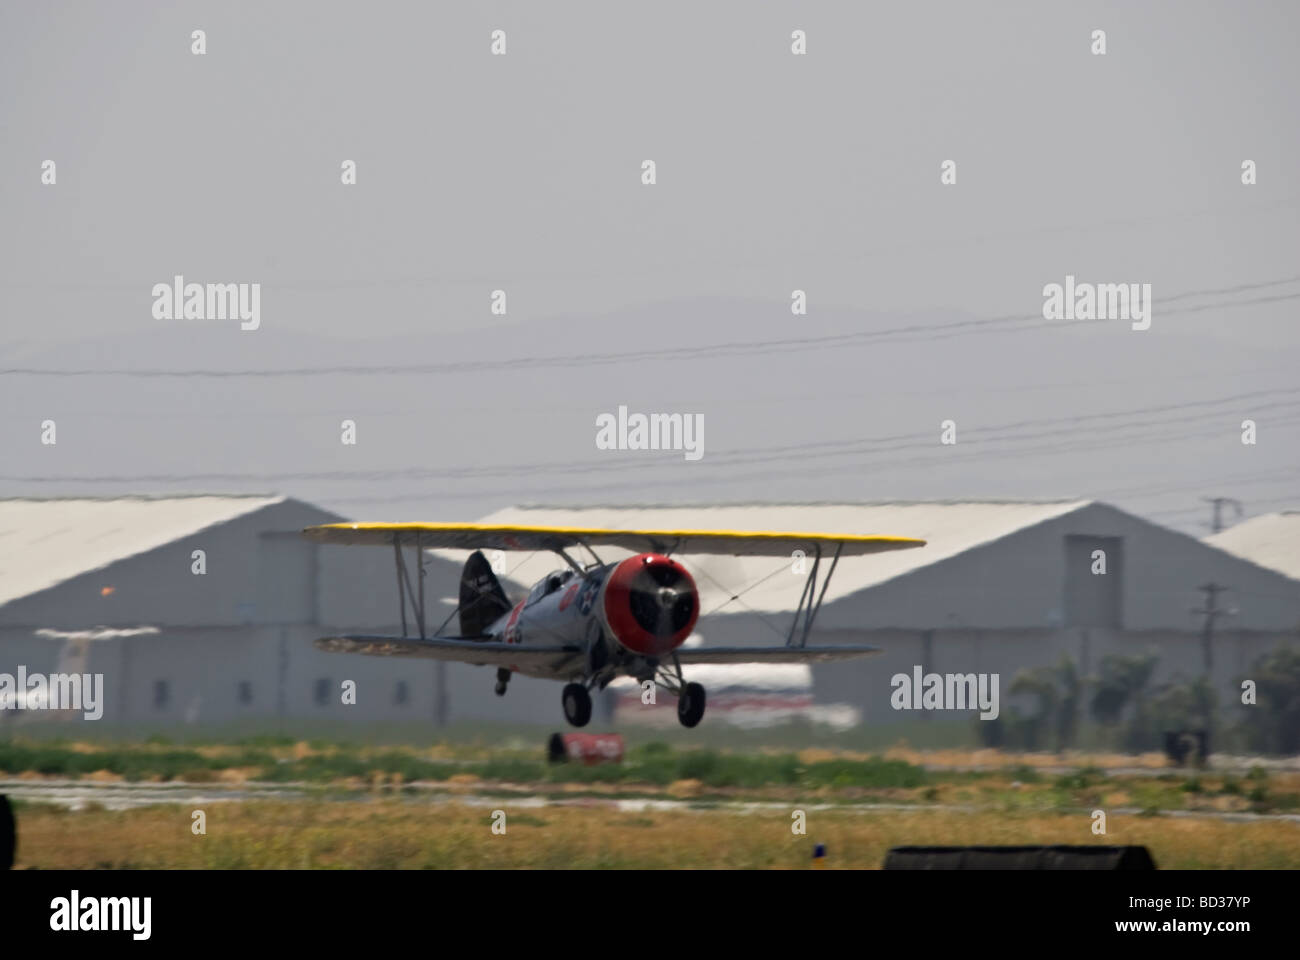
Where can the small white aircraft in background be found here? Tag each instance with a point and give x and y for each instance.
(34, 705)
(588, 624)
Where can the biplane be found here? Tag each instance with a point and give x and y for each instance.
(588, 623)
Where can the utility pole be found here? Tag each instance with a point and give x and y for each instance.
(1211, 611)
(1217, 524)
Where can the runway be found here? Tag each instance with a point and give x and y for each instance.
(77, 795)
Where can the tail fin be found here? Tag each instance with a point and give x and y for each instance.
(481, 598)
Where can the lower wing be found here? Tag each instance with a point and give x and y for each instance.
(496, 653)
(479, 652)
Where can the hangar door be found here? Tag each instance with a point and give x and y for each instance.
(1093, 598)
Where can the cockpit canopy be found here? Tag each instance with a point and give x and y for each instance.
(548, 585)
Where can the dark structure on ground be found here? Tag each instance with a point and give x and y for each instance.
(1019, 858)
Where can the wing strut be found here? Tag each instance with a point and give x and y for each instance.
(419, 561)
(810, 591)
(404, 589)
(586, 546)
(401, 569)
(577, 568)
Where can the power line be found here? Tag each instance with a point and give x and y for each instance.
(869, 447)
(640, 484)
(902, 334)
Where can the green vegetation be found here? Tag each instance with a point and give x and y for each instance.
(1272, 723)
(1130, 712)
(128, 762)
(655, 764)
(656, 769)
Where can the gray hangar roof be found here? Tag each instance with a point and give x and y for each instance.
(44, 542)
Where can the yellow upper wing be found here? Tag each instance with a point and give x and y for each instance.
(489, 536)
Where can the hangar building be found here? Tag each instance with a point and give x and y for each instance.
(201, 610)
(115, 586)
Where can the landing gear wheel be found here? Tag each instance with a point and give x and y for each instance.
(500, 689)
(690, 705)
(503, 678)
(577, 704)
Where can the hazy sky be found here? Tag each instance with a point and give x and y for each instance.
(775, 172)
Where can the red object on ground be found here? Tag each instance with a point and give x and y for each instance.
(587, 748)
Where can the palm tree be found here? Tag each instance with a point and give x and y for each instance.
(1123, 681)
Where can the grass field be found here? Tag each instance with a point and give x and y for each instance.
(393, 834)
(405, 807)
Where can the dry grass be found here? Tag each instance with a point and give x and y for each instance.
(392, 834)
(997, 759)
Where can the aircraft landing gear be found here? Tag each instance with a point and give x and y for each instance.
(577, 704)
(690, 705)
(503, 678)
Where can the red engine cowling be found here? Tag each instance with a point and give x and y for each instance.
(651, 604)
